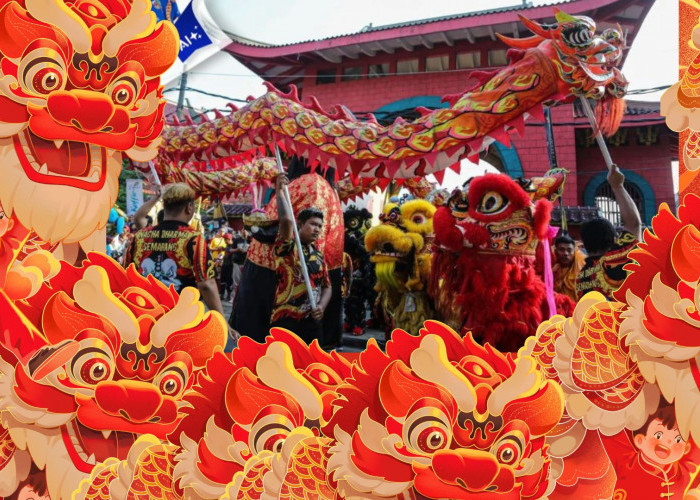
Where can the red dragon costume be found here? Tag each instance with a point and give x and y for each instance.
(80, 87)
(483, 277)
(98, 356)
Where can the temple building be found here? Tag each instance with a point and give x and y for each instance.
(390, 70)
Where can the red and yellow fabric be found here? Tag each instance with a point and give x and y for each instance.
(605, 274)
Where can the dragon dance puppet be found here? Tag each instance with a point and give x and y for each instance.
(400, 250)
(80, 88)
(483, 277)
(94, 359)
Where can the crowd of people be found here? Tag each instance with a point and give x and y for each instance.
(213, 260)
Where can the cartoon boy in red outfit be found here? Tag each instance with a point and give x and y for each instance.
(653, 461)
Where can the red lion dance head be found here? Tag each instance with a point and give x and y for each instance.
(442, 417)
(79, 86)
(96, 358)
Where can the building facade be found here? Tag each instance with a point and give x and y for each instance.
(391, 70)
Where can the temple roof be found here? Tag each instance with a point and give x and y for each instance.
(286, 63)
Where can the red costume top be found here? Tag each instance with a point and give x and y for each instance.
(638, 477)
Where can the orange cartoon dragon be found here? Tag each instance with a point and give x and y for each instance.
(96, 358)
(79, 87)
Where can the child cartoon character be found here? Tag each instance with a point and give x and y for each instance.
(32, 488)
(654, 461)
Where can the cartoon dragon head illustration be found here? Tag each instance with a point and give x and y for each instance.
(399, 246)
(244, 408)
(442, 417)
(97, 357)
(79, 86)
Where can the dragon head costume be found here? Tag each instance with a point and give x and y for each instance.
(484, 278)
(98, 356)
(439, 416)
(79, 87)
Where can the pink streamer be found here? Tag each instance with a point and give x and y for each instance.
(548, 274)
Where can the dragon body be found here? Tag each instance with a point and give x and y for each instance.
(555, 65)
(80, 88)
(484, 278)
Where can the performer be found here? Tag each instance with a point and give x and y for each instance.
(569, 262)
(362, 294)
(607, 252)
(173, 252)
(292, 307)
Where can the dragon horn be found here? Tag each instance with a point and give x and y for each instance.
(520, 43)
(563, 17)
(535, 27)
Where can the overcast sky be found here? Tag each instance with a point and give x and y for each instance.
(652, 61)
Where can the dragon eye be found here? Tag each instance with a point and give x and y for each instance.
(492, 202)
(91, 365)
(427, 433)
(508, 450)
(269, 433)
(42, 71)
(124, 90)
(172, 381)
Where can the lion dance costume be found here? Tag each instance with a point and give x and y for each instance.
(362, 295)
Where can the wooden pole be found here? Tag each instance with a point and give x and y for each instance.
(302, 261)
(598, 135)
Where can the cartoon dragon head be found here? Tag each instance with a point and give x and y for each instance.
(443, 417)
(399, 244)
(79, 86)
(244, 408)
(98, 356)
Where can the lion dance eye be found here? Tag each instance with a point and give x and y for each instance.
(91, 365)
(42, 71)
(269, 433)
(427, 433)
(508, 450)
(492, 203)
(124, 90)
(418, 219)
(172, 381)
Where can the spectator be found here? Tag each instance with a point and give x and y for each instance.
(227, 271)
(240, 245)
(217, 245)
(173, 252)
(292, 309)
(569, 261)
(607, 252)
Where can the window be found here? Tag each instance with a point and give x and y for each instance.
(437, 63)
(498, 58)
(605, 201)
(325, 76)
(351, 73)
(378, 70)
(407, 66)
(467, 60)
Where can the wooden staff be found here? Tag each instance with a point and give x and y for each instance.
(598, 135)
(302, 261)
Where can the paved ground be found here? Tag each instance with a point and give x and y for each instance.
(351, 343)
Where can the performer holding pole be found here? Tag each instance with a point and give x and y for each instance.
(303, 285)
